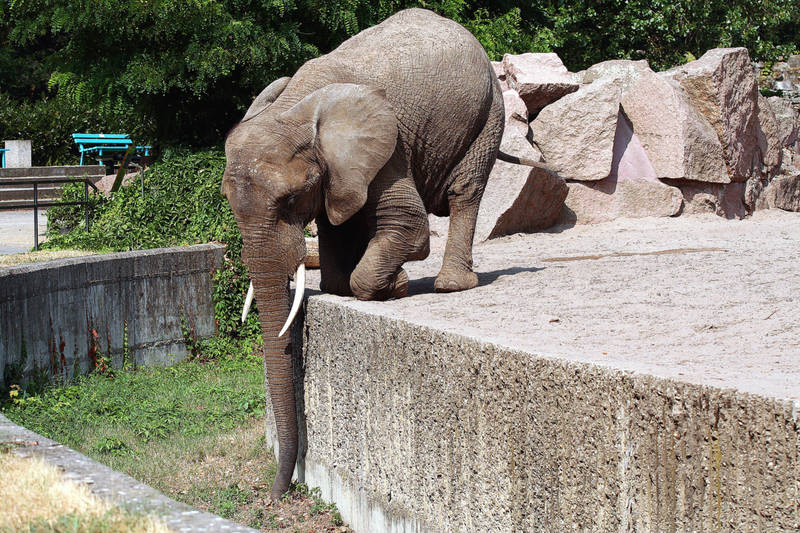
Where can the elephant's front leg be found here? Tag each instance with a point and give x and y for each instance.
(399, 228)
(340, 249)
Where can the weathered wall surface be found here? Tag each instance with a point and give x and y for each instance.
(134, 301)
(412, 429)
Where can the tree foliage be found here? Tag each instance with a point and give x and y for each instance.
(183, 71)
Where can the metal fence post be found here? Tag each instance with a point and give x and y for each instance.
(86, 203)
(35, 216)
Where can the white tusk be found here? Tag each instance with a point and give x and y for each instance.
(299, 287)
(248, 301)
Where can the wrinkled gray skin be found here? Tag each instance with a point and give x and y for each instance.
(401, 120)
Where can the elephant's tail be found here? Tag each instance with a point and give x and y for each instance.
(508, 158)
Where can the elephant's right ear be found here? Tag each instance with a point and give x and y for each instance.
(266, 97)
(355, 130)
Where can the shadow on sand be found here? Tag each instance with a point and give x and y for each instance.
(425, 285)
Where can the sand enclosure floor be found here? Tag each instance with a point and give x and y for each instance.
(697, 299)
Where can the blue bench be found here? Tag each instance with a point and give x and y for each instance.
(3, 150)
(106, 144)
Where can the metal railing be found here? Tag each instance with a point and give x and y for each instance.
(36, 204)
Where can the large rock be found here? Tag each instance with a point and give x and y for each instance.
(789, 131)
(576, 133)
(788, 120)
(622, 69)
(536, 207)
(589, 203)
(500, 72)
(723, 87)
(782, 192)
(769, 138)
(517, 199)
(678, 141)
(725, 200)
(516, 114)
(629, 160)
(540, 79)
(767, 160)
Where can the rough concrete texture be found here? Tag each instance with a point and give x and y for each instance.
(723, 87)
(637, 375)
(539, 78)
(132, 300)
(678, 141)
(111, 485)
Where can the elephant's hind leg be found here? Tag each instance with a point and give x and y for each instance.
(469, 178)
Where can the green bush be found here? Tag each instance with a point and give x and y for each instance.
(182, 204)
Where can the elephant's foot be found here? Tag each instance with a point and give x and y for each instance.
(372, 289)
(452, 280)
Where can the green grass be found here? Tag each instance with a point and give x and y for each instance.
(194, 431)
(154, 412)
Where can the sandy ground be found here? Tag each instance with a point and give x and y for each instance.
(697, 299)
(16, 230)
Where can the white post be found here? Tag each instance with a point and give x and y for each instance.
(19, 154)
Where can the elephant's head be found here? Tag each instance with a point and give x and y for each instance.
(283, 167)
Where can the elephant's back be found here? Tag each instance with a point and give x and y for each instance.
(438, 78)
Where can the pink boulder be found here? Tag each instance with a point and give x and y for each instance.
(540, 79)
(723, 87)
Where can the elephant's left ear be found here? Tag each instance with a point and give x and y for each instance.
(355, 130)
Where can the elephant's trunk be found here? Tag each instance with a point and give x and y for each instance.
(272, 295)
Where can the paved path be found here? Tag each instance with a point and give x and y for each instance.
(16, 230)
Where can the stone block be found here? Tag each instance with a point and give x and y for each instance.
(540, 79)
(18, 154)
(679, 141)
(723, 87)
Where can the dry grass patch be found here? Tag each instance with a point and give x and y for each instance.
(36, 499)
(41, 255)
(230, 474)
(194, 431)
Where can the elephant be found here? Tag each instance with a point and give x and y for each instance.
(401, 120)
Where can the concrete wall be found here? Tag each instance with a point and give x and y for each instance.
(412, 429)
(19, 154)
(92, 171)
(48, 310)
